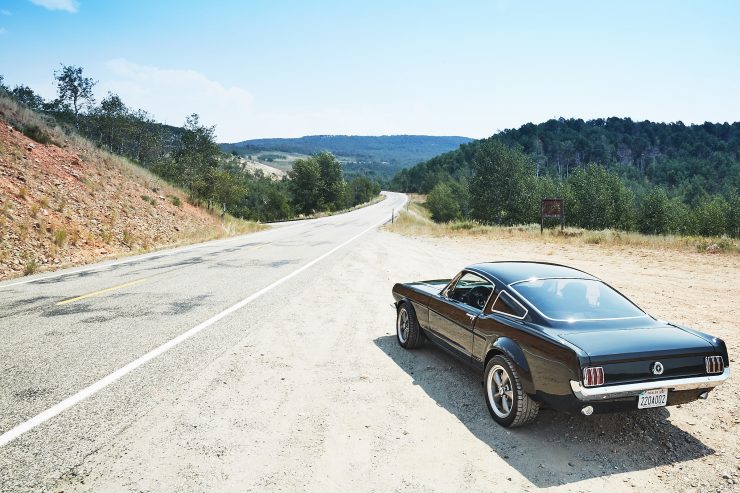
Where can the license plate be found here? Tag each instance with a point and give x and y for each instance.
(652, 398)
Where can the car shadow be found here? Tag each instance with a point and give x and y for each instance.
(557, 449)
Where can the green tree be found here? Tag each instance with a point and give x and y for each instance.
(227, 190)
(305, 183)
(25, 95)
(198, 154)
(653, 216)
(361, 189)
(598, 199)
(317, 183)
(442, 203)
(733, 215)
(331, 182)
(503, 187)
(712, 216)
(110, 120)
(74, 91)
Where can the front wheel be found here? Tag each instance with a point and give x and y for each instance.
(408, 331)
(508, 404)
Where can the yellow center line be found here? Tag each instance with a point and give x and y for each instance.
(102, 291)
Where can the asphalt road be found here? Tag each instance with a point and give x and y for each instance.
(86, 352)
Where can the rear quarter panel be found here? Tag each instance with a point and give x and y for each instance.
(548, 366)
(418, 298)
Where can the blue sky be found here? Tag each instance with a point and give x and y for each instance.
(291, 68)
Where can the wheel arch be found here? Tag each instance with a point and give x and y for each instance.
(508, 347)
(402, 300)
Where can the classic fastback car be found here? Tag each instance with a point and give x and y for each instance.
(554, 336)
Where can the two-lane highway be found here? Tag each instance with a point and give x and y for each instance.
(84, 351)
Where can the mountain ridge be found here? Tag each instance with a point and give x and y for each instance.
(383, 153)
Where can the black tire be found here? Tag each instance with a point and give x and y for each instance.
(408, 332)
(522, 409)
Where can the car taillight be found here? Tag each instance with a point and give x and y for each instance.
(714, 364)
(593, 376)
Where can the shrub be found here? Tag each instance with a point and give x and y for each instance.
(128, 238)
(30, 267)
(595, 238)
(34, 132)
(60, 237)
(175, 200)
(712, 216)
(442, 204)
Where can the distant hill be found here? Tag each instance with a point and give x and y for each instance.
(381, 155)
(693, 160)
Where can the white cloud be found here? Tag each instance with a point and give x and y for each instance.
(172, 94)
(70, 6)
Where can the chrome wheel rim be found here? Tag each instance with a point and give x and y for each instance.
(402, 327)
(500, 391)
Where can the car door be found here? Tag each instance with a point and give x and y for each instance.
(452, 315)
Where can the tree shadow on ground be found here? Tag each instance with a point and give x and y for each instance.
(558, 448)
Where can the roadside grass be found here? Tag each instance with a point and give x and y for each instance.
(226, 227)
(415, 220)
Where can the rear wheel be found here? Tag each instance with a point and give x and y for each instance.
(408, 332)
(508, 404)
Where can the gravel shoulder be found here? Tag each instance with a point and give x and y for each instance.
(318, 396)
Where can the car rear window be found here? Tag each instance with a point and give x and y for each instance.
(576, 299)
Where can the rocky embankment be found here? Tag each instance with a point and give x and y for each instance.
(68, 203)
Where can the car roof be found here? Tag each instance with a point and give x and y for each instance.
(509, 272)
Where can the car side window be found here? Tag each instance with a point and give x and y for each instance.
(471, 290)
(507, 305)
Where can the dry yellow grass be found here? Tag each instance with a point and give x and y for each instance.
(415, 220)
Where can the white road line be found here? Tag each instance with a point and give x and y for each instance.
(83, 394)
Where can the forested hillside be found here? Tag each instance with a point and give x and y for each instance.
(375, 155)
(694, 160)
(613, 173)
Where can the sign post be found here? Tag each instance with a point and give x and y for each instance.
(552, 208)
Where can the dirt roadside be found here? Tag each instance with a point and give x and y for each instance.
(320, 397)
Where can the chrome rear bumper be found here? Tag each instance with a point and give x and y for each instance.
(633, 389)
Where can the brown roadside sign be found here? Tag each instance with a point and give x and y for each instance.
(552, 208)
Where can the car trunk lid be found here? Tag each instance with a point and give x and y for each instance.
(629, 355)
